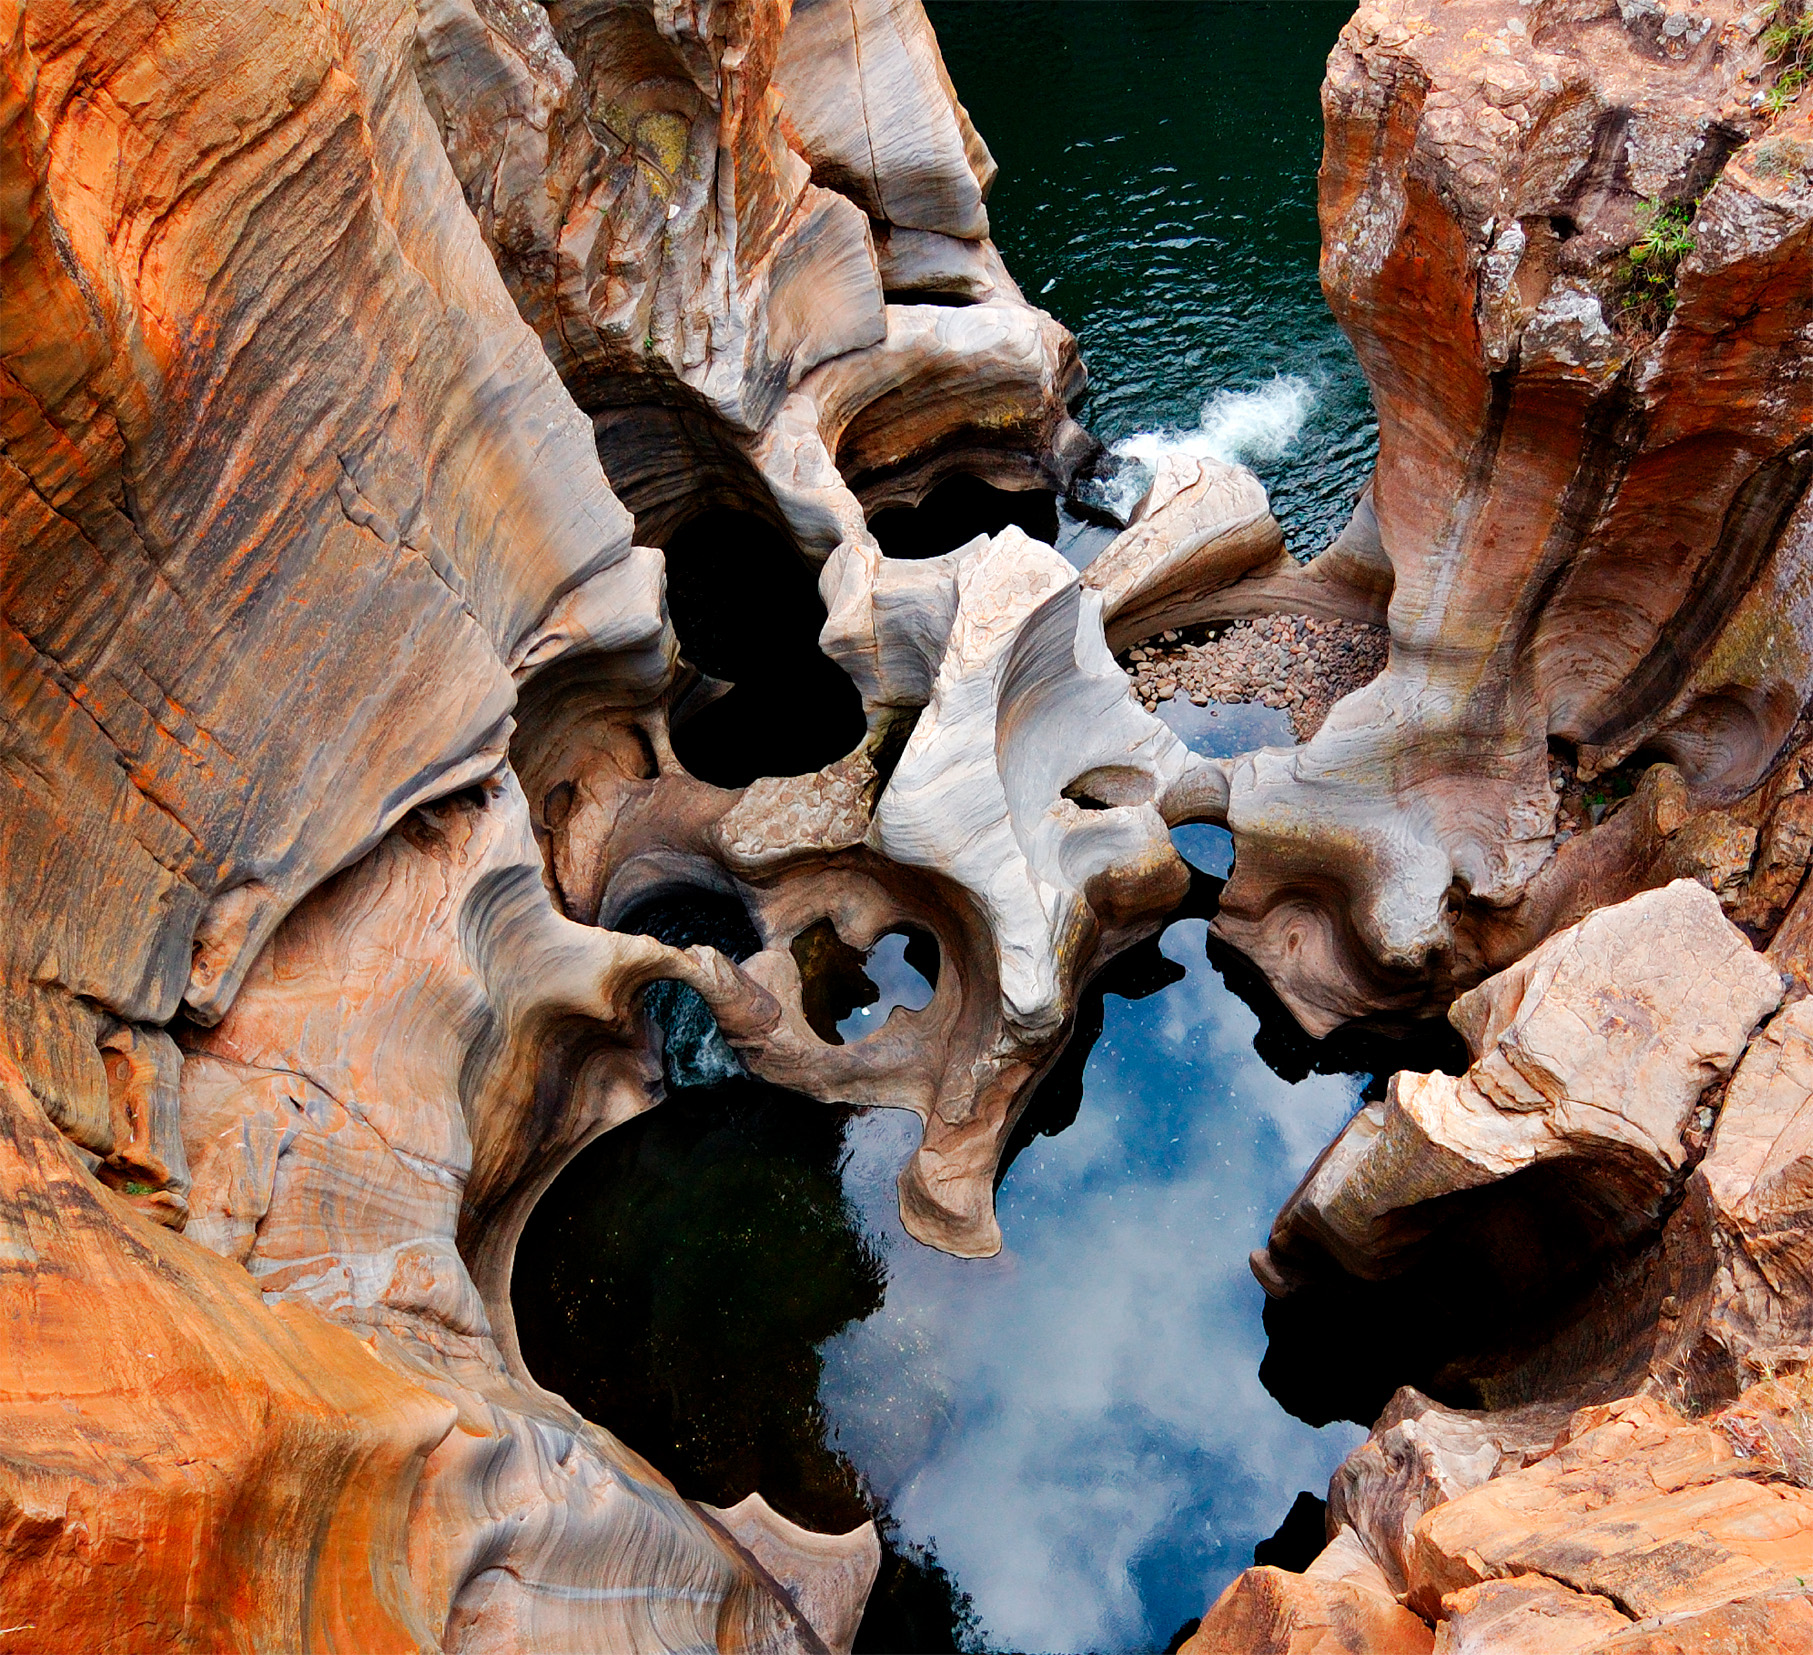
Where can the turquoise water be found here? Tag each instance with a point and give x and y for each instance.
(1068, 1446)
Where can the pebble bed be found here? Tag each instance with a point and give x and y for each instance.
(1291, 661)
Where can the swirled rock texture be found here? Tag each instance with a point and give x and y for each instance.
(292, 500)
(336, 737)
(1591, 491)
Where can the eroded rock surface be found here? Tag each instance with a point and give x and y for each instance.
(340, 732)
(315, 325)
(1593, 1050)
(1340, 1602)
(1591, 500)
(1679, 1517)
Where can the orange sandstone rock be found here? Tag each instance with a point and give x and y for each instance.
(1340, 1605)
(1594, 512)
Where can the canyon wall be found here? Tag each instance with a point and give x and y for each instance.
(1588, 525)
(342, 695)
(442, 449)
(1566, 1288)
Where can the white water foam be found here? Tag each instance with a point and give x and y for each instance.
(1238, 427)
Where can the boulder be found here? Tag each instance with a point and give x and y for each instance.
(1339, 1605)
(1747, 1222)
(1525, 1615)
(1420, 1454)
(1593, 1051)
(1656, 1514)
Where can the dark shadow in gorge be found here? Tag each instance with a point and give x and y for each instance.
(1339, 1348)
(746, 608)
(1280, 1040)
(676, 1283)
(677, 1280)
(1490, 1311)
(1509, 1268)
(959, 509)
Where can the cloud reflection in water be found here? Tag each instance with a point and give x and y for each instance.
(1079, 1423)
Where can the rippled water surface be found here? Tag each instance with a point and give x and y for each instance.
(1068, 1445)
(1158, 195)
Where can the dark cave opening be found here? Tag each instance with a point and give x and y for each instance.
(956, 511)
(1510, 1266)
(746, 608)
(947, 297)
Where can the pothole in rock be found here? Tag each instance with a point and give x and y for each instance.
(746, 609)
(849, 993)
(1066, 1446)
(694, 1051)
(956, 511)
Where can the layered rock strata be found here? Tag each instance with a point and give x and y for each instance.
(1589, 508)
(340, 722)
(1672, 1510)
(314, 326)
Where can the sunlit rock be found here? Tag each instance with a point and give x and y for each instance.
(1593, 1051)
(1591, 487)
(1655, 1515)
(1744, 1304)
(1341, 1601)
(1419, 1455)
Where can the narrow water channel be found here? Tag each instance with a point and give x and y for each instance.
(1068, 1446)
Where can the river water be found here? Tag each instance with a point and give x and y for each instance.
(1068, 1445)
(1157, 194)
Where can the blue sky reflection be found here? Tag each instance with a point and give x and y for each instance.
(1079, 1423)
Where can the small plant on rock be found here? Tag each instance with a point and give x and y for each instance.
(1779, 1435)
(1654, 260)
(1787, 44)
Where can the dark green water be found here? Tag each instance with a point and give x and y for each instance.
(1069, 1446)
(1157, 194)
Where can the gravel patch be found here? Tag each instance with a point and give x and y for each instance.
(1290, 661)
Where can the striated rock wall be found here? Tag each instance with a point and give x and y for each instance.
(320, 331)
(1570, 244)
(342, 743)
(1591, 486)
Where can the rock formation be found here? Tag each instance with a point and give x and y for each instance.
(1639, 1477)
(1593, 1051)
(1588, 515)
(346, 731)
(1587, 534)
(315, 327)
